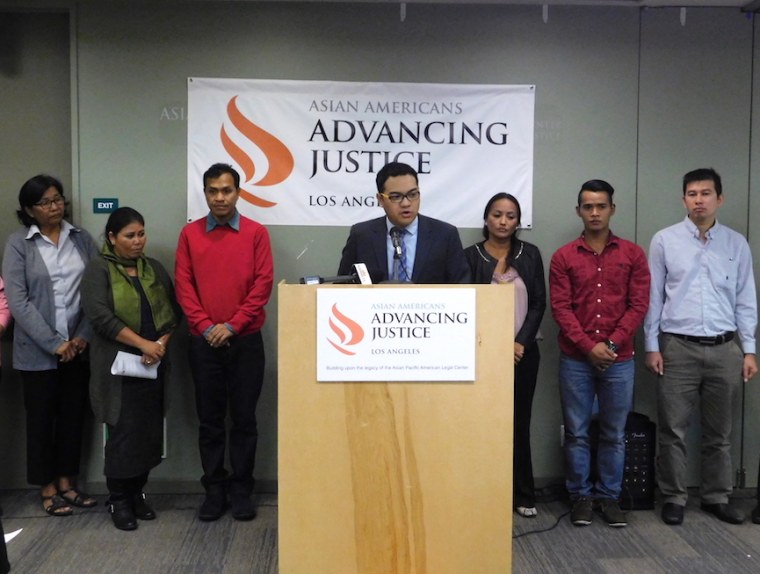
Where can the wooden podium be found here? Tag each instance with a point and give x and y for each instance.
(408, 478)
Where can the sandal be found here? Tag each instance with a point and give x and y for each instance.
(79, 499)
(57, 506)
(527, 511)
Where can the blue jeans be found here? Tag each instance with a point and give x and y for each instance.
(579, 383)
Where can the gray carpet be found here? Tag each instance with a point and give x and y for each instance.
(176, 542)
(701, 545)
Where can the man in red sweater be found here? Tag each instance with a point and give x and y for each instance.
(223, 276)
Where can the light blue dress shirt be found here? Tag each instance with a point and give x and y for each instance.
(700, 289)
(410, 244)
(65, 266)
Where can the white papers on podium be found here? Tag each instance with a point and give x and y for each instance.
(129, 365)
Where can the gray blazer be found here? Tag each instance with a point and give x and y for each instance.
(29, 290)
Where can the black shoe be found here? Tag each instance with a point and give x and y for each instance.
(672, 513)
(582, 512)
(122, 514)
(724, 512)
(756, 514)
(214, 505)
(141, 508)
(610, 511)
(242, 506)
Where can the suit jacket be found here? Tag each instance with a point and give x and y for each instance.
(439, 257)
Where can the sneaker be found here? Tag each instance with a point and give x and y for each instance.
(582, 513)
(610, 511)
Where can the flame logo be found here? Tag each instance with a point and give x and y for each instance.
(278, 155)
(349, 332)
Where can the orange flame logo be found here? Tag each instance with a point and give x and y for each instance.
(349, 332)
(278, 155)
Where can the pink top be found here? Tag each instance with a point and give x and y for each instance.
(521, 294)
(5, 314)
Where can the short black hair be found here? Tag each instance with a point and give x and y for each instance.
(31, 193)
(393, 169)
(217, 170)
(703, 174)
(596, 185)
(120, 218)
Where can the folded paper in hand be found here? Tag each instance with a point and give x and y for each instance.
(130, 365)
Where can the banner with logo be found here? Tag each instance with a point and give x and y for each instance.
(308, 151)
(395, 334)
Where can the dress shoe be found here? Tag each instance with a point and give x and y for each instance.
(756, 514)
(214, 504)
(724, 512)
(672, 513)
(122, 514)
(141, 508)
(242, 507)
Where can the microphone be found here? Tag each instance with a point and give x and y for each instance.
(396, 240)
(359, 274)
(317, 280)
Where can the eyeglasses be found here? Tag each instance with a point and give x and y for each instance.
(399, 197)
(47, 203)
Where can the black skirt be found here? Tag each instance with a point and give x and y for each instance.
(134, 444)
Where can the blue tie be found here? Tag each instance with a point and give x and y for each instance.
(402, 273)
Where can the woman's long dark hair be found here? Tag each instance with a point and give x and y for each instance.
(494, 199)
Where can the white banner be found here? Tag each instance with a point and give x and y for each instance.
(308, 152)
(396, 334)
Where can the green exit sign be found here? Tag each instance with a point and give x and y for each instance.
(105, 204)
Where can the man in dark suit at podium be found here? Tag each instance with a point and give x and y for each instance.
(404, 246)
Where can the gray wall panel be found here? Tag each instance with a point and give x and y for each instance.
(626, 95)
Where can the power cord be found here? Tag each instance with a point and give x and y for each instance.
(542, 530)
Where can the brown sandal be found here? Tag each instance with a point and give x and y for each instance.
(79, 499)
(57, 506)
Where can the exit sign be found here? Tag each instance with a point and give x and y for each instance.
(105, 204)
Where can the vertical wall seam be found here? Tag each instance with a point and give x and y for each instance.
(76, 191)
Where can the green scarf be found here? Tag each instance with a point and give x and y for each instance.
(126, 299)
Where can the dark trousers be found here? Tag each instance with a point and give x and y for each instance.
(228, 378)
(124, 488)
(526, 373)
(56, 403)
(4, 566)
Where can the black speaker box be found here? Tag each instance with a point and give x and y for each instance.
(638, 474)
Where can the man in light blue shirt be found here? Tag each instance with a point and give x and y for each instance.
(700, 339)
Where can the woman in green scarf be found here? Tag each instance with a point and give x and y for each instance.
(129, 300)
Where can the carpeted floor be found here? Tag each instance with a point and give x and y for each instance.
(178, 543)
(701, 545)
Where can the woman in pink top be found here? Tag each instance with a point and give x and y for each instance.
(5, 318)
(503, 258)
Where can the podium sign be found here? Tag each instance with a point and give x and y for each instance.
(394, 477)
(396, 334)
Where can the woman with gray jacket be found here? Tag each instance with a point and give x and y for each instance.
(43, 265)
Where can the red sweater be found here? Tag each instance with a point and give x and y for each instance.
(224, 276)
